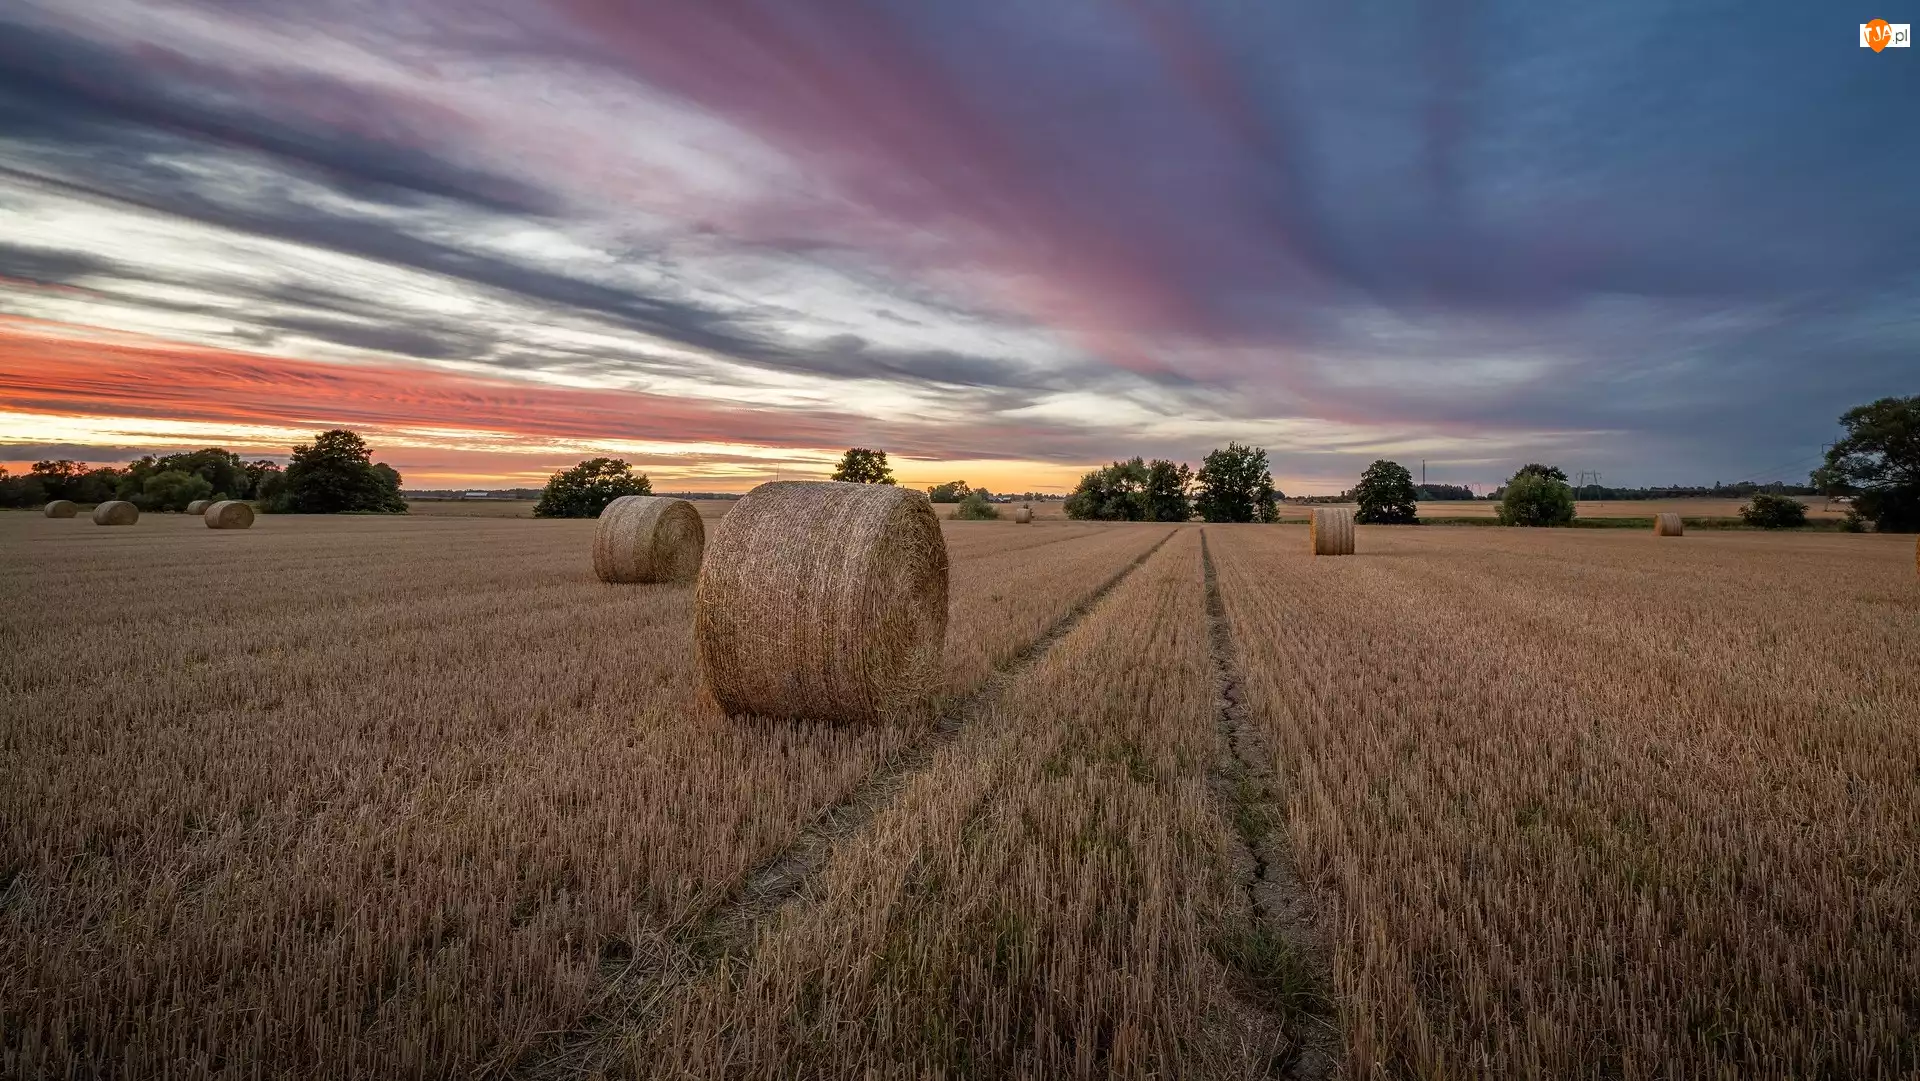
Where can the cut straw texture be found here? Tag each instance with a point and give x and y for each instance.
(229, 514)
(1331, 531)
(823, 601)
(1668, 524)
(116, 512)
(199, 506)
(646, 538)
(62, 508)
(1023, 515)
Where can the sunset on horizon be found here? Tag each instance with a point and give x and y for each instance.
(1006, 242)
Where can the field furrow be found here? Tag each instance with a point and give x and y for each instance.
(1051, 897)
(1598, 805)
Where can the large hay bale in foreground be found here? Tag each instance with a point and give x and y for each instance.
(62, 508)
(1023, 515)
(199, 506)
(1331, 531)
(646, 538)
(229, 514)
(1668, 524)
(116, 512)
(823, 600)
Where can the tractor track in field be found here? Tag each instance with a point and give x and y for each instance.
(1283, 954)
(638, 988)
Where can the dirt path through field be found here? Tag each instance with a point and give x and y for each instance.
(1285, 952)
(638, 987)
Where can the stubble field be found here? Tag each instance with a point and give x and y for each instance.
(422, 798)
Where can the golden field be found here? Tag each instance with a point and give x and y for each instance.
(421, 797)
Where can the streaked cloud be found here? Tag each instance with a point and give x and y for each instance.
(734, 232)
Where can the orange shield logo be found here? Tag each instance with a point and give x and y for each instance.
(1879, 34)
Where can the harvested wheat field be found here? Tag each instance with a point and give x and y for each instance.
(422, 797)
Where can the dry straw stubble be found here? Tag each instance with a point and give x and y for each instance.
(229, 514)
(62, 508)
(1331, 531)
(116, 512)
(1668, 524)
(824, 601)
(645, 538)
(199, 506)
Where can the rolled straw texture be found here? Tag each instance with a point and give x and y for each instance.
(199, 506)
(1023, 515)
(62, 508)
(1331, 531)
(1668, 524)
(823, 601)
(646, 538)
(116, 512)
(229, 514)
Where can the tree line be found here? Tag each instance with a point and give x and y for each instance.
(335, 473)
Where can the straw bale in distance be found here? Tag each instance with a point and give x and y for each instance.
(62, 508)
(648, 538)
(823, 600)
(1023, 515)
(229, 514)
(199, 506)
(1331, 531)
(116, 512)
(1668, 524)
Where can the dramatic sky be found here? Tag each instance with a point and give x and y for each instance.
(1002, 239)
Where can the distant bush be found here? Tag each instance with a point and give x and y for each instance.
(975, 508)
(586, 489)
(1769, 511)
(1854, 522)
(1532, 499)
(952, 491)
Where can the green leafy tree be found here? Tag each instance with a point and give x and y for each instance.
(1114, 493)
(221, 469)
(586, 489)
(952, 491)
(262, 474)
(1386, 495)
(859, 465)
(336, 473)
(1769, 511)
(1535, 499)
(23, 491)
(59, 479)
(1233, 485)
(132, 480)
(172, 489)
(1878, 463)
(975, 508)
(1535, 469)
(1166, 494)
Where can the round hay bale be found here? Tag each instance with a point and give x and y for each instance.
(824, 601)
(1668, 524)
(1331, 531)
(62, 508)
(116, 512)
(199, 506)
(1023, 515)
(229, 514)
(645, 538)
